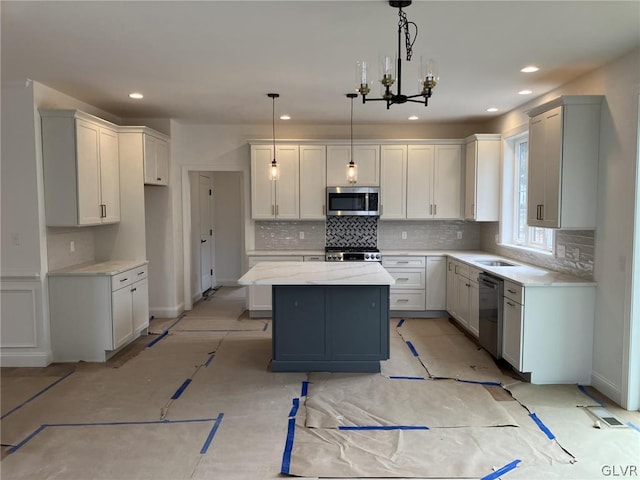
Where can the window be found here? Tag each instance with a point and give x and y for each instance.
(521, 234)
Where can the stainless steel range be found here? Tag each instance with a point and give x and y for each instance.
(352, 254)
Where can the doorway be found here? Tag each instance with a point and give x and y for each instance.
(216, 245)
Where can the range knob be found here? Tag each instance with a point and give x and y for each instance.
(367, 256)
(377, 256)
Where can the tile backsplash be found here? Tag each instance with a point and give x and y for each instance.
(286, 235)
(428, 235)
(579, 251)
(351, 231)
(59, 246)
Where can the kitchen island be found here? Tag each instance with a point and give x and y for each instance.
(327, 316)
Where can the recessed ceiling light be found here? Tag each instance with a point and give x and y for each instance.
(530, 69)
(413, 117)
(492, 109)
(136, 95)
(285, 117)
(525, 92)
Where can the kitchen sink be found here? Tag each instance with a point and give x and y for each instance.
(496, 263)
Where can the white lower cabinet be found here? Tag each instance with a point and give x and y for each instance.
(463, 296)
(408, 293)
(259, 296)
(512, 333)
(421, 282)
(92, 316)
(548, 331)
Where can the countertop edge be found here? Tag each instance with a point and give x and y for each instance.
(110, 268)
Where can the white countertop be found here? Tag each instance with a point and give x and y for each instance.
(317, 273)
(103, 268)
(522, 273)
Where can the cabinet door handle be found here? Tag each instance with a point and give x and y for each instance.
(403, 279)
(510, 291)
(402, 300)
(430, 209)
(511, 304)
(435, 209)
(541, 212)
(203, 241)
(467, 285)
(140, 273)
(133, 290)
(402, 261)
(277, 210)
(159, 179)
(124, 280)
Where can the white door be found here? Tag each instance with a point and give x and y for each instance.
(206, 233)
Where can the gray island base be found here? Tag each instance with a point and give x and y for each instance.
(326, 317)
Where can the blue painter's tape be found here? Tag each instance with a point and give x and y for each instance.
(584, 390)
(288, 446)
(305, 389)
(181, 389)
(294, 408)
(178, 320)
(384, 427)
(501, 471)
(152, 343)
(542, 426)
(412, 348)
(407, 378)
(36, 395)
(635, 427)
(400, 323)
(212, 434)
(23, 442)
(491, 384)
(103, 424)
(209, 360)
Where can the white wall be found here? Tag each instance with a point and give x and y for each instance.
(228, 237)
(23, 259)
(619, 82)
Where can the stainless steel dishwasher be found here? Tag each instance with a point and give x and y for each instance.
(491, 290)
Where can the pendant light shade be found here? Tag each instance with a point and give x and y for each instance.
(274, 168)
(352, 168)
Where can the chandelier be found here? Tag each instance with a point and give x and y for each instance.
(393, 73)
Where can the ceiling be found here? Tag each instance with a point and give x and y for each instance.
(215, 61)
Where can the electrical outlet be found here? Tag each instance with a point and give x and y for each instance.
(301, 235)
(561, 251)
(459, 235)
(72, 246)
(404, 235)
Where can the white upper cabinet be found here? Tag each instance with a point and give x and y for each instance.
(366, 157)
(81, 169)
(434, 178)
(313, 174)
(275, 199)
(393, 182)
(156, 159)
(482, 178)
(563, 163)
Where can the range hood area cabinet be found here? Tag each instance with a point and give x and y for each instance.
(366, 157)
(563, 162)
(275, 199)
(482, 178)
(81, 169)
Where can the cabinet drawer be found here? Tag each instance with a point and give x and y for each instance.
(407, 278)
(126, 278)
(514, 292)
(407, 300)
(462, 269)
(412, 262)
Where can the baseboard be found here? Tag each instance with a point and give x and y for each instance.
(25, 359)
(167, 312)
(605, 387)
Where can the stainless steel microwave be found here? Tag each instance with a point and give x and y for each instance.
(353, 201)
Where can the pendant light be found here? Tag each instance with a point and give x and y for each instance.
(352, 168)
(274, 168)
